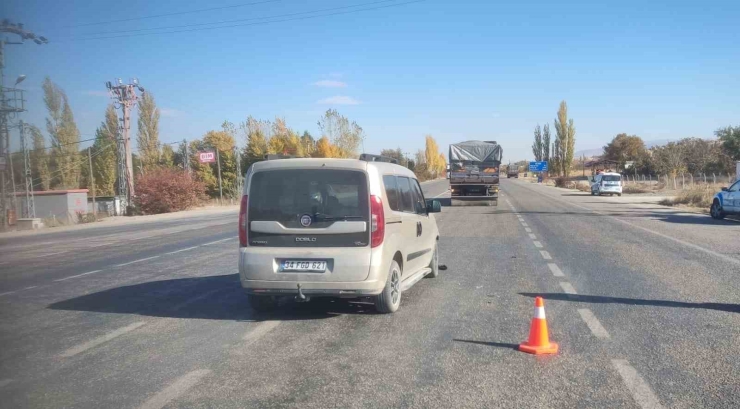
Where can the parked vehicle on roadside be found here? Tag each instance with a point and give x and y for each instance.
(726, 202)
(607, 184)
(335, 228)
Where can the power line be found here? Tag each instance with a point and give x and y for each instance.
(248, 24)
(174, 14)
(239, 20)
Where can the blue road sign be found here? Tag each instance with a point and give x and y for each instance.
(538, 166)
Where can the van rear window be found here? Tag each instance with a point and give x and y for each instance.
(611, 178)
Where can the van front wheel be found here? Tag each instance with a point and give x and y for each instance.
(390, 299)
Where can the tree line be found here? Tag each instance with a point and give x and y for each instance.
(559, 154)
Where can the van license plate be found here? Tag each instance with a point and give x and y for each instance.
(299, 265)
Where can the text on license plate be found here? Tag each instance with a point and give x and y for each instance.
(298, 265)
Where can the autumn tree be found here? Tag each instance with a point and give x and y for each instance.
(256, 141)
(625, 148)
(537, 146)
(730, 138)
(167, 156)
(39, 160)
(565, 139)
(396, 154)
(147, 136)
(435, 166)
(65, 137)
(324, 149)
(104, 151)
(346, 136)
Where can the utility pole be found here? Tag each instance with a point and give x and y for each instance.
(220, 191)
(124, 96)
(30, 205)
(11, 104)
(186, 159)
(238, 169)
(92, 183)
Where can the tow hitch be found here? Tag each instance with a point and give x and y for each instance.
(301, 297)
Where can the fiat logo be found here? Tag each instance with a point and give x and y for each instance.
(305, 220)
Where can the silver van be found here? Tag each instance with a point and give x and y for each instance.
(334, 228)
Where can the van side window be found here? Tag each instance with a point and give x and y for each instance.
(420, 206)
(406, 195)
(391, 191)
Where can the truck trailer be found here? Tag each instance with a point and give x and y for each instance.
(474, 172)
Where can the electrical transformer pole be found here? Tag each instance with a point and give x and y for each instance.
(124, 96)
(30, 205)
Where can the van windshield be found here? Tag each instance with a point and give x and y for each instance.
(327, 195)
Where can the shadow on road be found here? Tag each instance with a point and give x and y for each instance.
(597, 299)
(213, 297)
(489, 344)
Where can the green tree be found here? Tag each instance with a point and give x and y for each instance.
(537, 146)
(147, 137)
(256, 147)
(65, 137)
(670, 159)
(396, 154)
(625, 148)
(167, 157)
(39, 160)
(730, 137)
(104, 154)
(565, 139)
(546, 143)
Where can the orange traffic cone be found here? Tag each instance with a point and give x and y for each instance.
(539, 340)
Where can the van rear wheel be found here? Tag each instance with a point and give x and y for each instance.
(390, 299)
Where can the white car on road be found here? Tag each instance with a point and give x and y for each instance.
(607, 184)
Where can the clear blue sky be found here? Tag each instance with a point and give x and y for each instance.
(457, 70)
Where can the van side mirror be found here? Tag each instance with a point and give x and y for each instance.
(725, 189)
(433, 206)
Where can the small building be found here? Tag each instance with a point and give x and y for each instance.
(63, 205)
(106, 205)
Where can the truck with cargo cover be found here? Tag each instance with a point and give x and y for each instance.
(474, 172)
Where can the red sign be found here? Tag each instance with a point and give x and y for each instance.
(207, 157)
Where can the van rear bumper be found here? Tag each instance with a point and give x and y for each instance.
(316, 289)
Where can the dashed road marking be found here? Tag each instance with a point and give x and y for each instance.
(525, 224)
(593, 323)
(555, 270)
(51, 254)
(545, 255)
(568, 288)
(532, 236)
(442, 193)
(175, 389)
(640, 390)
(218, 241)
(28, 288)
(537, 244)
(259, 331)
(181, 250)
(79, 275)
(100, 340)
(136, 261)
(6, 293)
(528, 230)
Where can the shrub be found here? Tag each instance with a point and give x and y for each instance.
(634, 189)
(583, 186)
(692, 197)
(168, 190)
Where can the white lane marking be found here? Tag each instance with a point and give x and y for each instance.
(528, 230)
(100, 340)
(555, 270)
(181, 250)
(525, 224)
(5, 382)
(640, 390)
(665, 236)
(537, 244)
(441, 193)
(136, 261)
(532, 236)
(218, 241)
(175, 389)
(593, 323)
(6, 293)
(28, 288)
(79, 275)
(259, 331)
(545, 255)
(51, 254)
(568, 288)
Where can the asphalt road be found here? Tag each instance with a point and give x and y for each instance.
(642, 300)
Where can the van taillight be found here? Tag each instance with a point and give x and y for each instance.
(377, 218)
(243, 221)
